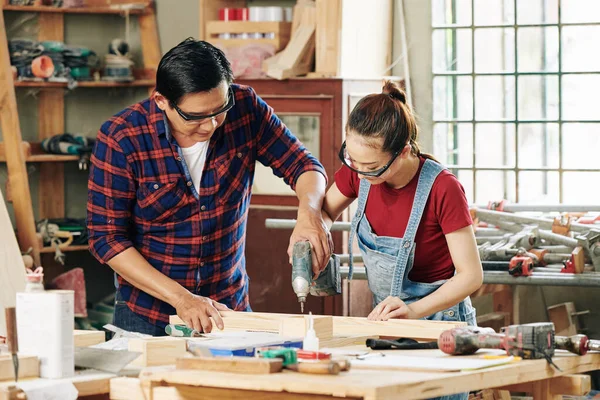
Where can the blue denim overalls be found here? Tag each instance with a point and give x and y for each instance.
(389, 260)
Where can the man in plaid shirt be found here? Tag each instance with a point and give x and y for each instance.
(169, 190)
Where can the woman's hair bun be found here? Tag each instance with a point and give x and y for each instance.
(393, 90)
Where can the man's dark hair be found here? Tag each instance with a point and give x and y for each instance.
(190, 67)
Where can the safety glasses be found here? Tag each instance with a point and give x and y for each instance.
(199, 118)
(345, 159)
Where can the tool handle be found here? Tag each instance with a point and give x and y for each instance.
(321, 368)
(11, 330)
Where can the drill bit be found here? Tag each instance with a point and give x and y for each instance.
(302, 307)
(11, 337)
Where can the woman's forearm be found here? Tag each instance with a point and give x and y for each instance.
(136, 270)
(450, 293)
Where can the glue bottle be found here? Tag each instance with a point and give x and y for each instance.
(311, 341)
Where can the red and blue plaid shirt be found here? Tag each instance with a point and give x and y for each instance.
(140, 194)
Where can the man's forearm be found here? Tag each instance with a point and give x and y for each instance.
(136, 270)
(310, 189)
(450, 293)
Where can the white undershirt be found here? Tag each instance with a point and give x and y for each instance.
(195, 157)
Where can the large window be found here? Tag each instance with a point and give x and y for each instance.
(516, 93)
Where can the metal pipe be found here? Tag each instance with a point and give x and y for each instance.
(558, 239)
(542, 279)
(557, 249)
(345, 258)
(495, 216)
(489, 231)
(503, 278)
(275, 223)
(545, 208)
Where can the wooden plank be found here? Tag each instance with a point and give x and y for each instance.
(342, 326)
(25, 148)
(149, 40)
(91, 382)
(541, 391)
(579, 259)
(12, 268)
(344, 341)
(571, 385)
(380, 384)
(561, 315)
(157, 351)
(17, 170)
(126, 388)
(181, 392)
(51, 115)
(29, 367)
(328, 40)
(84, 338)
(298, 326)
(241, 365)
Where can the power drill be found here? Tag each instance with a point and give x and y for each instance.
(528, 341)
(328, 283)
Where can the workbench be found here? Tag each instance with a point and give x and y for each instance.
(536, 376)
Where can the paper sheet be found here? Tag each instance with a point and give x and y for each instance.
(48, 389)
(450, 363)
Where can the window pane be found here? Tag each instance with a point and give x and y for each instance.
(495, 50)
(538, 97)
(579, 47)
(580, 11)
(537, 11)
(580, 146)
(494, 186)
(495, 145)
(452, 97)
(578, 188)
(442, 13)
(495, 97)
(538, 145)
(538, 187)
(453, 144)
(580, 97)
(466, 179)
(494, 12)
(452, 50)
(538, 49)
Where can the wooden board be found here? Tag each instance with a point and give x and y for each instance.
(29, 367)
(241, 365)
(84, 338)
(298, 326)
(343, 341)
(12, 268)
(572, 385)
(562, 315)
(371, 384)
(328, 40)
(157, 350)
(342, 326)
(15, 161)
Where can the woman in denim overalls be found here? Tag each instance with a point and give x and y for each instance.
(381, 148)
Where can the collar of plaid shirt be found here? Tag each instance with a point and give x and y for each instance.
(142, 195)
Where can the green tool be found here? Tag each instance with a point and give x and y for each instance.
(288, 355)
(328, 283)
(181, 331)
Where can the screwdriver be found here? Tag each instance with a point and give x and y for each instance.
(11, 337)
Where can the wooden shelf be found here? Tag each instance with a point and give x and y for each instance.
(87, 84)
(50, 249)
(51, 158)
(74, 10)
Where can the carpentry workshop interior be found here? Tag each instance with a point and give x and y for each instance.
(299, 199)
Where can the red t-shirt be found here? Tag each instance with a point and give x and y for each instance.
(388, 211)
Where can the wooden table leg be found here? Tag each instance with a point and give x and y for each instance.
(541, 391)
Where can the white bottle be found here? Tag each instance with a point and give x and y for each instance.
(311, 341)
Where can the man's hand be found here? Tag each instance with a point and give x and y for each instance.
(392, 307)
(195, 312)
(311, 227)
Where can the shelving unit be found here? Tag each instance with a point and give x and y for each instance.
(51, 110)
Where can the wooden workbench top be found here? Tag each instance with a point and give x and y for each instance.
(382, 384)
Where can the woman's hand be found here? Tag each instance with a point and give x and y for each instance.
(392, 307)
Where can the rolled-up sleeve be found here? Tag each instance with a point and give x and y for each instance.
(111, 195)
(278, 148)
